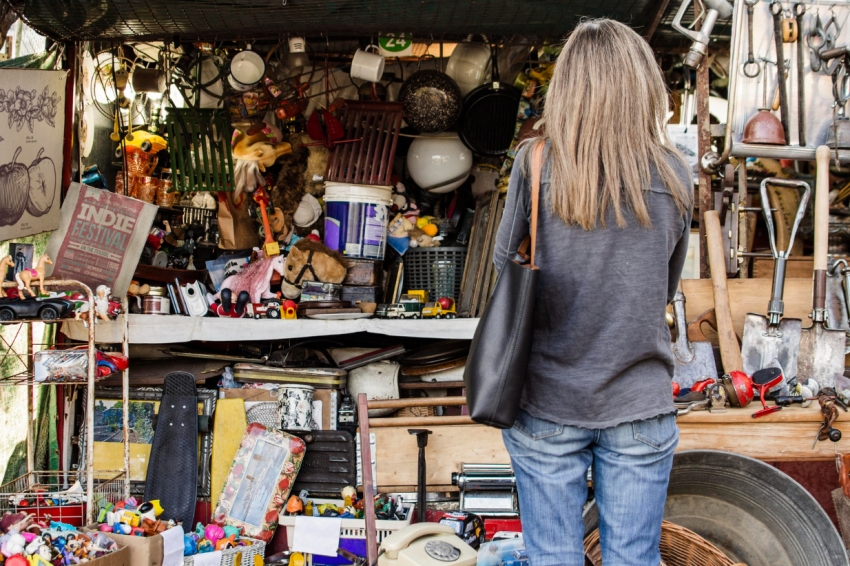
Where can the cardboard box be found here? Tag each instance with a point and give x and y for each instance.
(120, 557)
(137, 551)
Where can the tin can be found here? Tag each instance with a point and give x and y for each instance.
(154, 304)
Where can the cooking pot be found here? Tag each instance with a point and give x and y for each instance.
(468, 64)
(432, 101)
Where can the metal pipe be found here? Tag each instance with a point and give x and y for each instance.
(125, 396)
(711, 162)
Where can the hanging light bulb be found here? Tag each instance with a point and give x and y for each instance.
(297, 56)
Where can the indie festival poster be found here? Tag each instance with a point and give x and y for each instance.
(100, 238)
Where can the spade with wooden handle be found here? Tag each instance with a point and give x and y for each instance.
(821, 349)
(730, 353)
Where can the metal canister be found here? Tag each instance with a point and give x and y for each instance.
(155, 302)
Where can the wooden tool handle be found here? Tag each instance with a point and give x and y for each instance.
(418, 402)
(821, 208)
(730, 352)
(368, 480)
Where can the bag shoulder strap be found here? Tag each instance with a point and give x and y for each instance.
(536, 172)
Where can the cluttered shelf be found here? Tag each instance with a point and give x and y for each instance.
(153, 329)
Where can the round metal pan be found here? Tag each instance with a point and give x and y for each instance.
(488, 116)
(748, 509)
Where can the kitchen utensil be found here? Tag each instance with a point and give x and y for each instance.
(432, 101)
(115, 136)
(821, 349)
(763, 127)
(763, 381)
(367, 66)
(488, 118)
(246, 70)
(772, 339)
(421, 435)
(468, 64)
(776, 10)
(730, 352)
(694, 361)
(368, 480)
(799, 11)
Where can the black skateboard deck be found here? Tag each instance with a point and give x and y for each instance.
(172, 475)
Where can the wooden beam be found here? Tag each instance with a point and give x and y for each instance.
(783, 436)
(655, 19)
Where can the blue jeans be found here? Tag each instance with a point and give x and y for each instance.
(631, 469)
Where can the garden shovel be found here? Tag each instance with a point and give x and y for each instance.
(771, 340)
(821, 348)
(694, 361)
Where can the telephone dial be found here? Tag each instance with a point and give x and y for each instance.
(426, 544)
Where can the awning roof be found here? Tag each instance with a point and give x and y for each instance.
(262, 19)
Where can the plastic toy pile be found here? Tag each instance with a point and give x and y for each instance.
(386, 507)
(129, 517)
(30, 542)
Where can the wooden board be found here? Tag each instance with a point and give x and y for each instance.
(749, 295)
(783, 436)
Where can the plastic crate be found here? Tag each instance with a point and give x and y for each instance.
(350, 528)
(424, 268)
(228, 557)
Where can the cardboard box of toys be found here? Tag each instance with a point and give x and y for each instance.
(137, 551)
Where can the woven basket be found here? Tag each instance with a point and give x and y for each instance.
(266, 413)
(228, 557)
(679, 547)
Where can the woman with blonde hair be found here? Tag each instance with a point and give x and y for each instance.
(612, 237)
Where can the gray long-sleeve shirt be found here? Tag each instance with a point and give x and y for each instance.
(601, 352)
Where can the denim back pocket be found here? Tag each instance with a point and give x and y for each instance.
(536, 428)
(659, 432)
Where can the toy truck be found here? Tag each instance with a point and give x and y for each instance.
(444, 307)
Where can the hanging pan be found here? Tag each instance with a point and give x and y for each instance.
(489, 114)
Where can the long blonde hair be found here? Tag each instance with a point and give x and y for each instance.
(605, 116)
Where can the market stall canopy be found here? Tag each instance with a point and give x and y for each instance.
(213, 20)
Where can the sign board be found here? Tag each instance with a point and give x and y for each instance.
(32, 121)
(100, 238)
(396, 45)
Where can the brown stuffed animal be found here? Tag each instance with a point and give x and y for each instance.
(309, 260)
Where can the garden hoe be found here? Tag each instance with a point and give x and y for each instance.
(694, 361)
(821, 348)
(771, 340)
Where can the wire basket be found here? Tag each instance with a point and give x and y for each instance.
(436, 270)
(679, 547)
(59, 496)
(228, 557)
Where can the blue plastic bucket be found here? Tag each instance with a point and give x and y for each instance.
(356, 219)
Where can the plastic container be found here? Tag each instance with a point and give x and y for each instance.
(356, 219)
(350, 529)
(228, 557)
(436, 270)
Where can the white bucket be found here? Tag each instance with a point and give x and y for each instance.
(356, 219)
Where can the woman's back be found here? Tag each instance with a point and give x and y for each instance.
(601, 349)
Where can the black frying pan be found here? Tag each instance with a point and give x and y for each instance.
(489, 115)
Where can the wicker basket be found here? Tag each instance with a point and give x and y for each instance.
(679, 547)
(228, 557)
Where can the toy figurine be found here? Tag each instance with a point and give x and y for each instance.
(213, 533)
(226, 543)
(311, 261)
(4, 263)
(294, 506)
(15, 544)
(231, 531)
(26, 277)
(190, 546)
(255, 278)
(104, 308)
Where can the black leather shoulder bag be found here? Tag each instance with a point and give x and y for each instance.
(498, 357)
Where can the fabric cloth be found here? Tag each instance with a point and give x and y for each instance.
(601, 352)
(631, 470)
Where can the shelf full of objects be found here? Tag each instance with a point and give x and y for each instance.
(303, 244)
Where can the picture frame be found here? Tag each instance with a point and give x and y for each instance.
(108, 441)
(22, 255)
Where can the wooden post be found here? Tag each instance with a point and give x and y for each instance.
(704, 134)
(368, 480)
